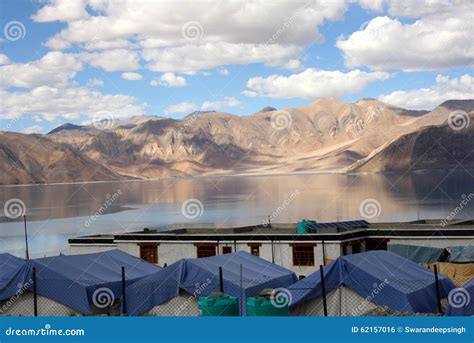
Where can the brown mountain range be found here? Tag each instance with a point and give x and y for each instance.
(324, 136)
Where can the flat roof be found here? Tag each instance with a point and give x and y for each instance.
(288, 231)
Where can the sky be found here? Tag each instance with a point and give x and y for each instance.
(79, 61)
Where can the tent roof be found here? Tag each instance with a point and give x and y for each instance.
(72, 279)
(13, 275)
(387, 278)
(461, 254)
(418, 254)
(200, 277)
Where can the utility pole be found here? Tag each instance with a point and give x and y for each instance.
(26, 238)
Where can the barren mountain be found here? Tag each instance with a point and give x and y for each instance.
(325, 135)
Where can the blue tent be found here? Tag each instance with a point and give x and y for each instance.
(381, 276)
(461, 300)
(14, 274)
(72, 279)
(461, 254)
(202, 275)
(154, 289)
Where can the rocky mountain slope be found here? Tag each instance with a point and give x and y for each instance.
(325, 135)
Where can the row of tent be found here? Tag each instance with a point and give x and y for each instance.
(355, 284)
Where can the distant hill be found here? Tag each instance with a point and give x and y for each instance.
(325, 135)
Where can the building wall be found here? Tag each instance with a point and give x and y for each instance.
(77, 249)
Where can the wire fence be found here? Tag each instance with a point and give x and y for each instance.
(357, 296)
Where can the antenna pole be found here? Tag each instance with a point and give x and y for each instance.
(26, 239)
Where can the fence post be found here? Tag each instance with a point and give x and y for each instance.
(324, 253)
(323, 288)
(35, 294)
(124, 299)
(242, 304)
(221, 281)
(438, 293)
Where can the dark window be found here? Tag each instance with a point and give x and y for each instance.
(226, 250)
(355, 248)
(376, 244)
(303, 255)
(255, 250)
(149, 252)
(206, 250)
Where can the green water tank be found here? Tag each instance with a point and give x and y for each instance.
(302, 226)
(263, 306)
(218, 304)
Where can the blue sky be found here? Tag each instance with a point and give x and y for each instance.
(79, 60)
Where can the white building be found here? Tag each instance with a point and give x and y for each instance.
(278, 243)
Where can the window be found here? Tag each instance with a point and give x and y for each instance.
(255, 248)
(356, 248)
(149, 252)
(205, 249)
(226, 250)
(376, 244)
(303, 254)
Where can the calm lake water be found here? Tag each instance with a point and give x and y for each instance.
(58, 212)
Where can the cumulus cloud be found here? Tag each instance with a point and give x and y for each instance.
(428, 98)
(312, 83)
(273, 33)
(53, 69)
(186, 107)
(131, 76)
(169, 80)
(50, 103)
(440, 39)
(113, 60)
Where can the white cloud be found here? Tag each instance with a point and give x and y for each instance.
(372, 5)
(169, 80)
(186, 107)
(188, 37)
(217, 105)
(440, 39)
(223, 72)
(95, 83)
(32, 129)
(62, 10)
(113, 60)
(131, 76)
(428, 98)
(312, 83)
(182, 107)
(50, 103)
(53, 69)
(4, 59)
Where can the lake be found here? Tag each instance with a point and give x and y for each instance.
(58, 212)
